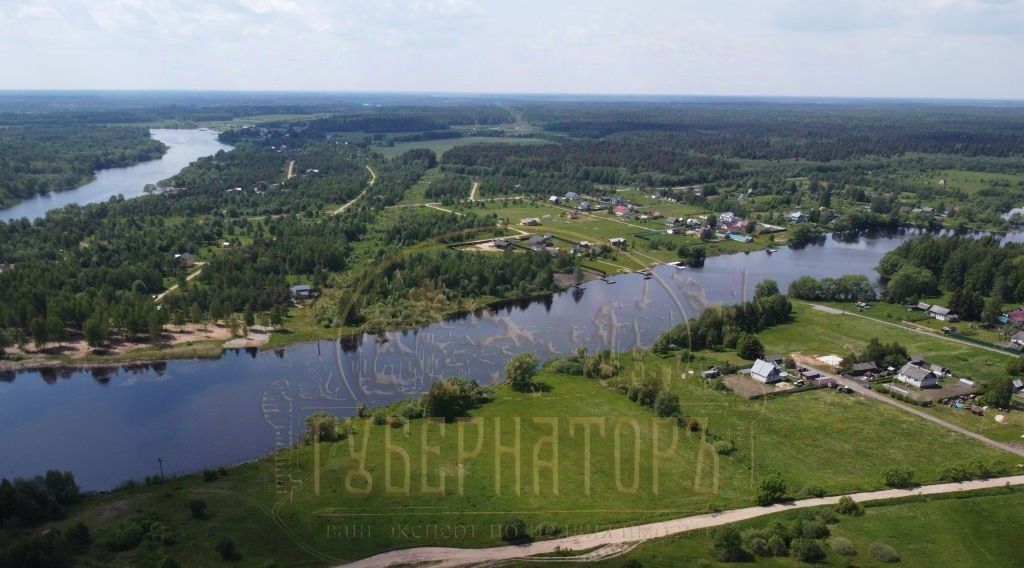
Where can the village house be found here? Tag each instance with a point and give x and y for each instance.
(1017, 340)
(942, 314)
(584, 206)
(302, 291)
(185, 260)
(554, 200)
(795, 217)
(775, 359)
(674, 230)
(727, 218)
(765, 372)
(618, 242)
(916, 376)
(673, 221)
(501, 244)
(1016, 317)
(571, 196)
(861, 369)
(530, 222)
(537, 242)
(622, 210)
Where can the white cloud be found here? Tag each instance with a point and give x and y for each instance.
(35, 12)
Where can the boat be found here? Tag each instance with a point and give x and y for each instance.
(770, 251)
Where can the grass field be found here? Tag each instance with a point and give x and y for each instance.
(276, 508)
(818, 333)
(963, 531)
(441, 146)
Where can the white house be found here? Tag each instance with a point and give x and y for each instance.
(916, 376)
(942, 314)
(1018, 338)
(765, 372)
(554, 199)
(796, 217)
(727, 218)
(530, 222)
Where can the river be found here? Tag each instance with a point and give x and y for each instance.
(111, 425)
(184, 147)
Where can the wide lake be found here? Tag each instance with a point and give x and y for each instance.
(109, 425)
(184, 147)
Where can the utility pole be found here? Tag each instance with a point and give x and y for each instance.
(161, 462)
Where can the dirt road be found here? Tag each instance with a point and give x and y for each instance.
(199, 270)
(618, 539)
(291, 171)
(373, 180)
(472, 192)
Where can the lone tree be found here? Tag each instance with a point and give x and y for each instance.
(899, 477)
(749, 346)
(771, 490)
(520, 371)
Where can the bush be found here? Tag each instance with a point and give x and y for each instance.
(198, 508)
(666, 404)
(899, 477)
(807, 550)
(210, 475)
(380, 418)
(883, 552)
(759, 546)
(771, 490)
(396, 422)
(726, 544)
(125, 537)
(514, 530)
(777, 546)
(548, 529)
(814, 491)
(520, 371)
(78, 538)
(225, 547)
(847, 506)
(723, 447)
(843, 546)
(320, 426)
(815, 529)
(566, 367)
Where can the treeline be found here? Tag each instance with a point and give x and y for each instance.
(729, 327)
(850, 287)
(969, 268)
(415, 225)
(40, 159)
(818, 132)
(641, 159)
(449, 188)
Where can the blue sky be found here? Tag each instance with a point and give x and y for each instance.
(900, 48)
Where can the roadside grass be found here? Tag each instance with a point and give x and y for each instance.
(960, 531)
(441, 146)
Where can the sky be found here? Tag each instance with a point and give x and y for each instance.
(855, 48)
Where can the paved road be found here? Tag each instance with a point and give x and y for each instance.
(373, 180)
(448, 557)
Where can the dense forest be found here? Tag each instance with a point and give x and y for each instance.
(41, 159)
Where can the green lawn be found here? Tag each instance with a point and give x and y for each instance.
(968, 531)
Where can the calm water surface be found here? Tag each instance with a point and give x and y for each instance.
(109, 426)
(184, 147)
